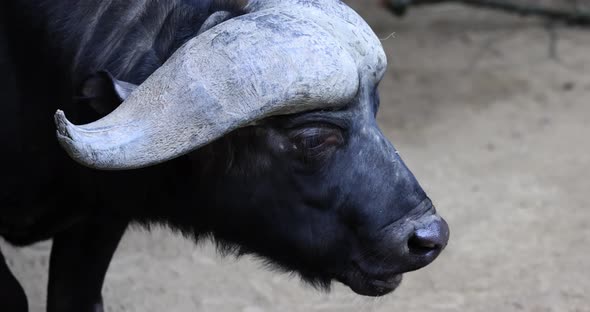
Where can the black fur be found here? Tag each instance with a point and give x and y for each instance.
(309, 192)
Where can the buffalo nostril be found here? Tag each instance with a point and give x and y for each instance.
(432, 237)
(420, 245)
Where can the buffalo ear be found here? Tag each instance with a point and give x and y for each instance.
(104, 93)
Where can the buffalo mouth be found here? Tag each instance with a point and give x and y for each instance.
(403, 246)
(370, 284)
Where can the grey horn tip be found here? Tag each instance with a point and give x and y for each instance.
(63, 133)
(68, 143)
(62, 124)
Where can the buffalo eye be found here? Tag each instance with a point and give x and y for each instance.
(316, 142)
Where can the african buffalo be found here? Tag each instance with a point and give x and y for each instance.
(248, 121)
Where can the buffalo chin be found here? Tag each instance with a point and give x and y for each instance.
(371, 286)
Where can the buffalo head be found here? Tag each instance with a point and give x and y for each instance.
(276, 108)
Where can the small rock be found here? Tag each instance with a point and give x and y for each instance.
(568, 86)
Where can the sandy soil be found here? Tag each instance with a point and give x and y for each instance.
(498, 133)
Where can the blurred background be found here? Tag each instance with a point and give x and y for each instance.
(492, 113)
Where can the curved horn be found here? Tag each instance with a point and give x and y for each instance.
(273, 60)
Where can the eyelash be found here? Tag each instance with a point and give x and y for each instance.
(316, 142)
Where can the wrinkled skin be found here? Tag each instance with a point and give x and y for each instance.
(322, 193)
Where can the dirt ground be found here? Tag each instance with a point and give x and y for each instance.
(497, 130)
